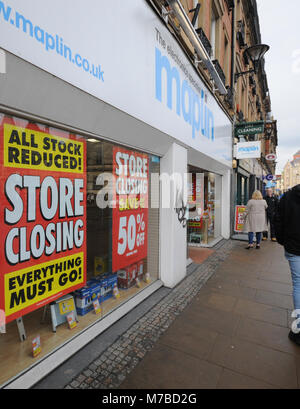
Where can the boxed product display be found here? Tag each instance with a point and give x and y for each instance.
(127, 276)
(100, 288)
(85, 296)
(195, 238)
(107, 283)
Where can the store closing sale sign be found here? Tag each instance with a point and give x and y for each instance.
(130, 212)
(43, 216)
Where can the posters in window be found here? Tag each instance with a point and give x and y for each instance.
(130, 213)
(43, 215)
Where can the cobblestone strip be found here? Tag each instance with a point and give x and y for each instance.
(111, 368)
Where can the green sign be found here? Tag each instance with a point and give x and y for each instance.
(250, 128)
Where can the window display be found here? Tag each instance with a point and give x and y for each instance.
(78, 238)
(204, 220)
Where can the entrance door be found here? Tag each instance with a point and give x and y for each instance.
(204, 203)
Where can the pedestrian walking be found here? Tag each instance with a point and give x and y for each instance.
(255, 222)
(287, 230)
(272, 202)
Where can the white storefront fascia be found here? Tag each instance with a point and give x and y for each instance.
(124, 56)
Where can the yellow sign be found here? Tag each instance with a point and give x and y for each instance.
(28, 149)
(66, 306)
(36, 346)
(97, 307)
(36, 285)
(71, 320)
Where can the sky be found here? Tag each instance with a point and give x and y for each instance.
(280, 29)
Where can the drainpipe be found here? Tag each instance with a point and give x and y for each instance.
(232, 44)
(232, 84)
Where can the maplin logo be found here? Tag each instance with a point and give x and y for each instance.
(188, 103)
(248, 149)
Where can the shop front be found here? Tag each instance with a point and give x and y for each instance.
(95, 134)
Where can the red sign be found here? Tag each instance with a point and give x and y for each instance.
(271, 157)
(43, 215)
(239, 218)
(130, 212)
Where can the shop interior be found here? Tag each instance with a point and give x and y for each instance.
(204, 204)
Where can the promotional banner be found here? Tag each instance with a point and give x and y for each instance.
(239, 219)
(43, 215)
(130, 213)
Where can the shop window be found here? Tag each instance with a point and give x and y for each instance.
(78, 235)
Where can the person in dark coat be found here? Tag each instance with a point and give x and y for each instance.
(287, 230)
(272, 202)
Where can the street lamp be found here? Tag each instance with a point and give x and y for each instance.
(255, 53)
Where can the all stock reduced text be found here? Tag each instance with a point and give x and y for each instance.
(30, 149)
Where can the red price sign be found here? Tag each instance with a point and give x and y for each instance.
(130, 214)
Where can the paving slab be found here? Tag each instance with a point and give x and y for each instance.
(266, 334)
(168, 368)
(235, 380)
(262, 312)
(259, 362)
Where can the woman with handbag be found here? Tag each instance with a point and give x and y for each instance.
(256, 221)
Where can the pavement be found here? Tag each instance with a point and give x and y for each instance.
(225, 326)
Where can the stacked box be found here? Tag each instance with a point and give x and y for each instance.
(85, 296)
(127, 276)
(99, 287)
(107, 283)
(195, 238)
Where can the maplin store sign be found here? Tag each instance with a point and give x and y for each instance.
(248, 150)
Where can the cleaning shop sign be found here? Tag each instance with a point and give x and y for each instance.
(43, 216)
